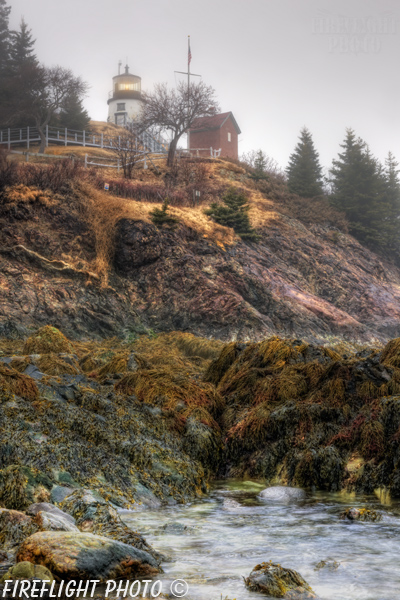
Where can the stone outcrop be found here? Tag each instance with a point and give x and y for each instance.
(86, 556)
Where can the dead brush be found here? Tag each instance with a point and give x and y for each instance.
(18, 384)
(23, 194)
(48, 340)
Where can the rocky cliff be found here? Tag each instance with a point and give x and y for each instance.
(304, 280)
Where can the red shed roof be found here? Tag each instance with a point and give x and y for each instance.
(214, 122)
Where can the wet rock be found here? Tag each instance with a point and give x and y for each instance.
(38, 507)
(174, 527)
(59, 493)
(95, 515)
(361, 514)
(53, 522)
(15, 527)
(281, 493)
(33, 372)
(273, 580)
(231, 505)
(86, 556)
(28, 570)
(328, 564)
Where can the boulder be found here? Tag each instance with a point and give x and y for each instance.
(52, 522)
(93, 514)
(59, 493)
(86, 556)
(273, 580)
(136, 244)
(40, 507)
(360, 514)
(15, 527)
(282, 493)
(27, 570)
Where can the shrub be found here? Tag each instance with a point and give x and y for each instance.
(234, 213)
(160, 217)
(8, 171)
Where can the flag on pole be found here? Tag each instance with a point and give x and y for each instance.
(189, 52)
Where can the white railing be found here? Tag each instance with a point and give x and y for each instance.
(70, 137)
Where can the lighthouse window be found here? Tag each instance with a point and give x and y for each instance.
(129, 86)
(121, 106)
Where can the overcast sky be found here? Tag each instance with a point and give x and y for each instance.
(278, 65)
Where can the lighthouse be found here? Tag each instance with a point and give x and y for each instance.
(125, 99)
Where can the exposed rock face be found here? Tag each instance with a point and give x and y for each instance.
(296, 281)
(273, 580)
(86, 556)
(136, 246)
(283, 494)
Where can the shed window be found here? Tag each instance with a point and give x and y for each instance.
(121, 106)
(229, 136)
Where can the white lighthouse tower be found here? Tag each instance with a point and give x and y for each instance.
(125, 100)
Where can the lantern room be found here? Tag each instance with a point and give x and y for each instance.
(125, 99)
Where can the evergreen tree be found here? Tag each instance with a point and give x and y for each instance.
(5, 95)
(304, 170)
(234, 213)
(160, 216)
(391, 198)
(260, 166)
(72, 114)
(4, 37)
(22, 46)
(357, 182)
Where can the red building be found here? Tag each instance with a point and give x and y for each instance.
(219, 132)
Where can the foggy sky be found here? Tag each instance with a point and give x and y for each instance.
(278, 65)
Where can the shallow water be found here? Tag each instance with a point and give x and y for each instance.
(232, 530)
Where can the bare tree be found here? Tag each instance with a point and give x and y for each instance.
(129, 149)
(50, 87)
(176, 111)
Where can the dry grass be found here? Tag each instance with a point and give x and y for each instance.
(22, 194)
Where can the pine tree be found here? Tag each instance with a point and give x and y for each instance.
(72, 114)
(234, 213)
(391, 198)
(22, 46)
(260, 166)
(160, 217)
(304, 170)
(357, 182)
(4, 38)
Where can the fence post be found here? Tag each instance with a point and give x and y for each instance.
(47, 136)
(27, 156)
(118, 165)
(27, 138)
(9, 139)
(102, 141)
(85, 161)
(84, 138)
(66, 136)
(145, 162)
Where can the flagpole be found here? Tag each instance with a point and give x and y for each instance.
(189, 58)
